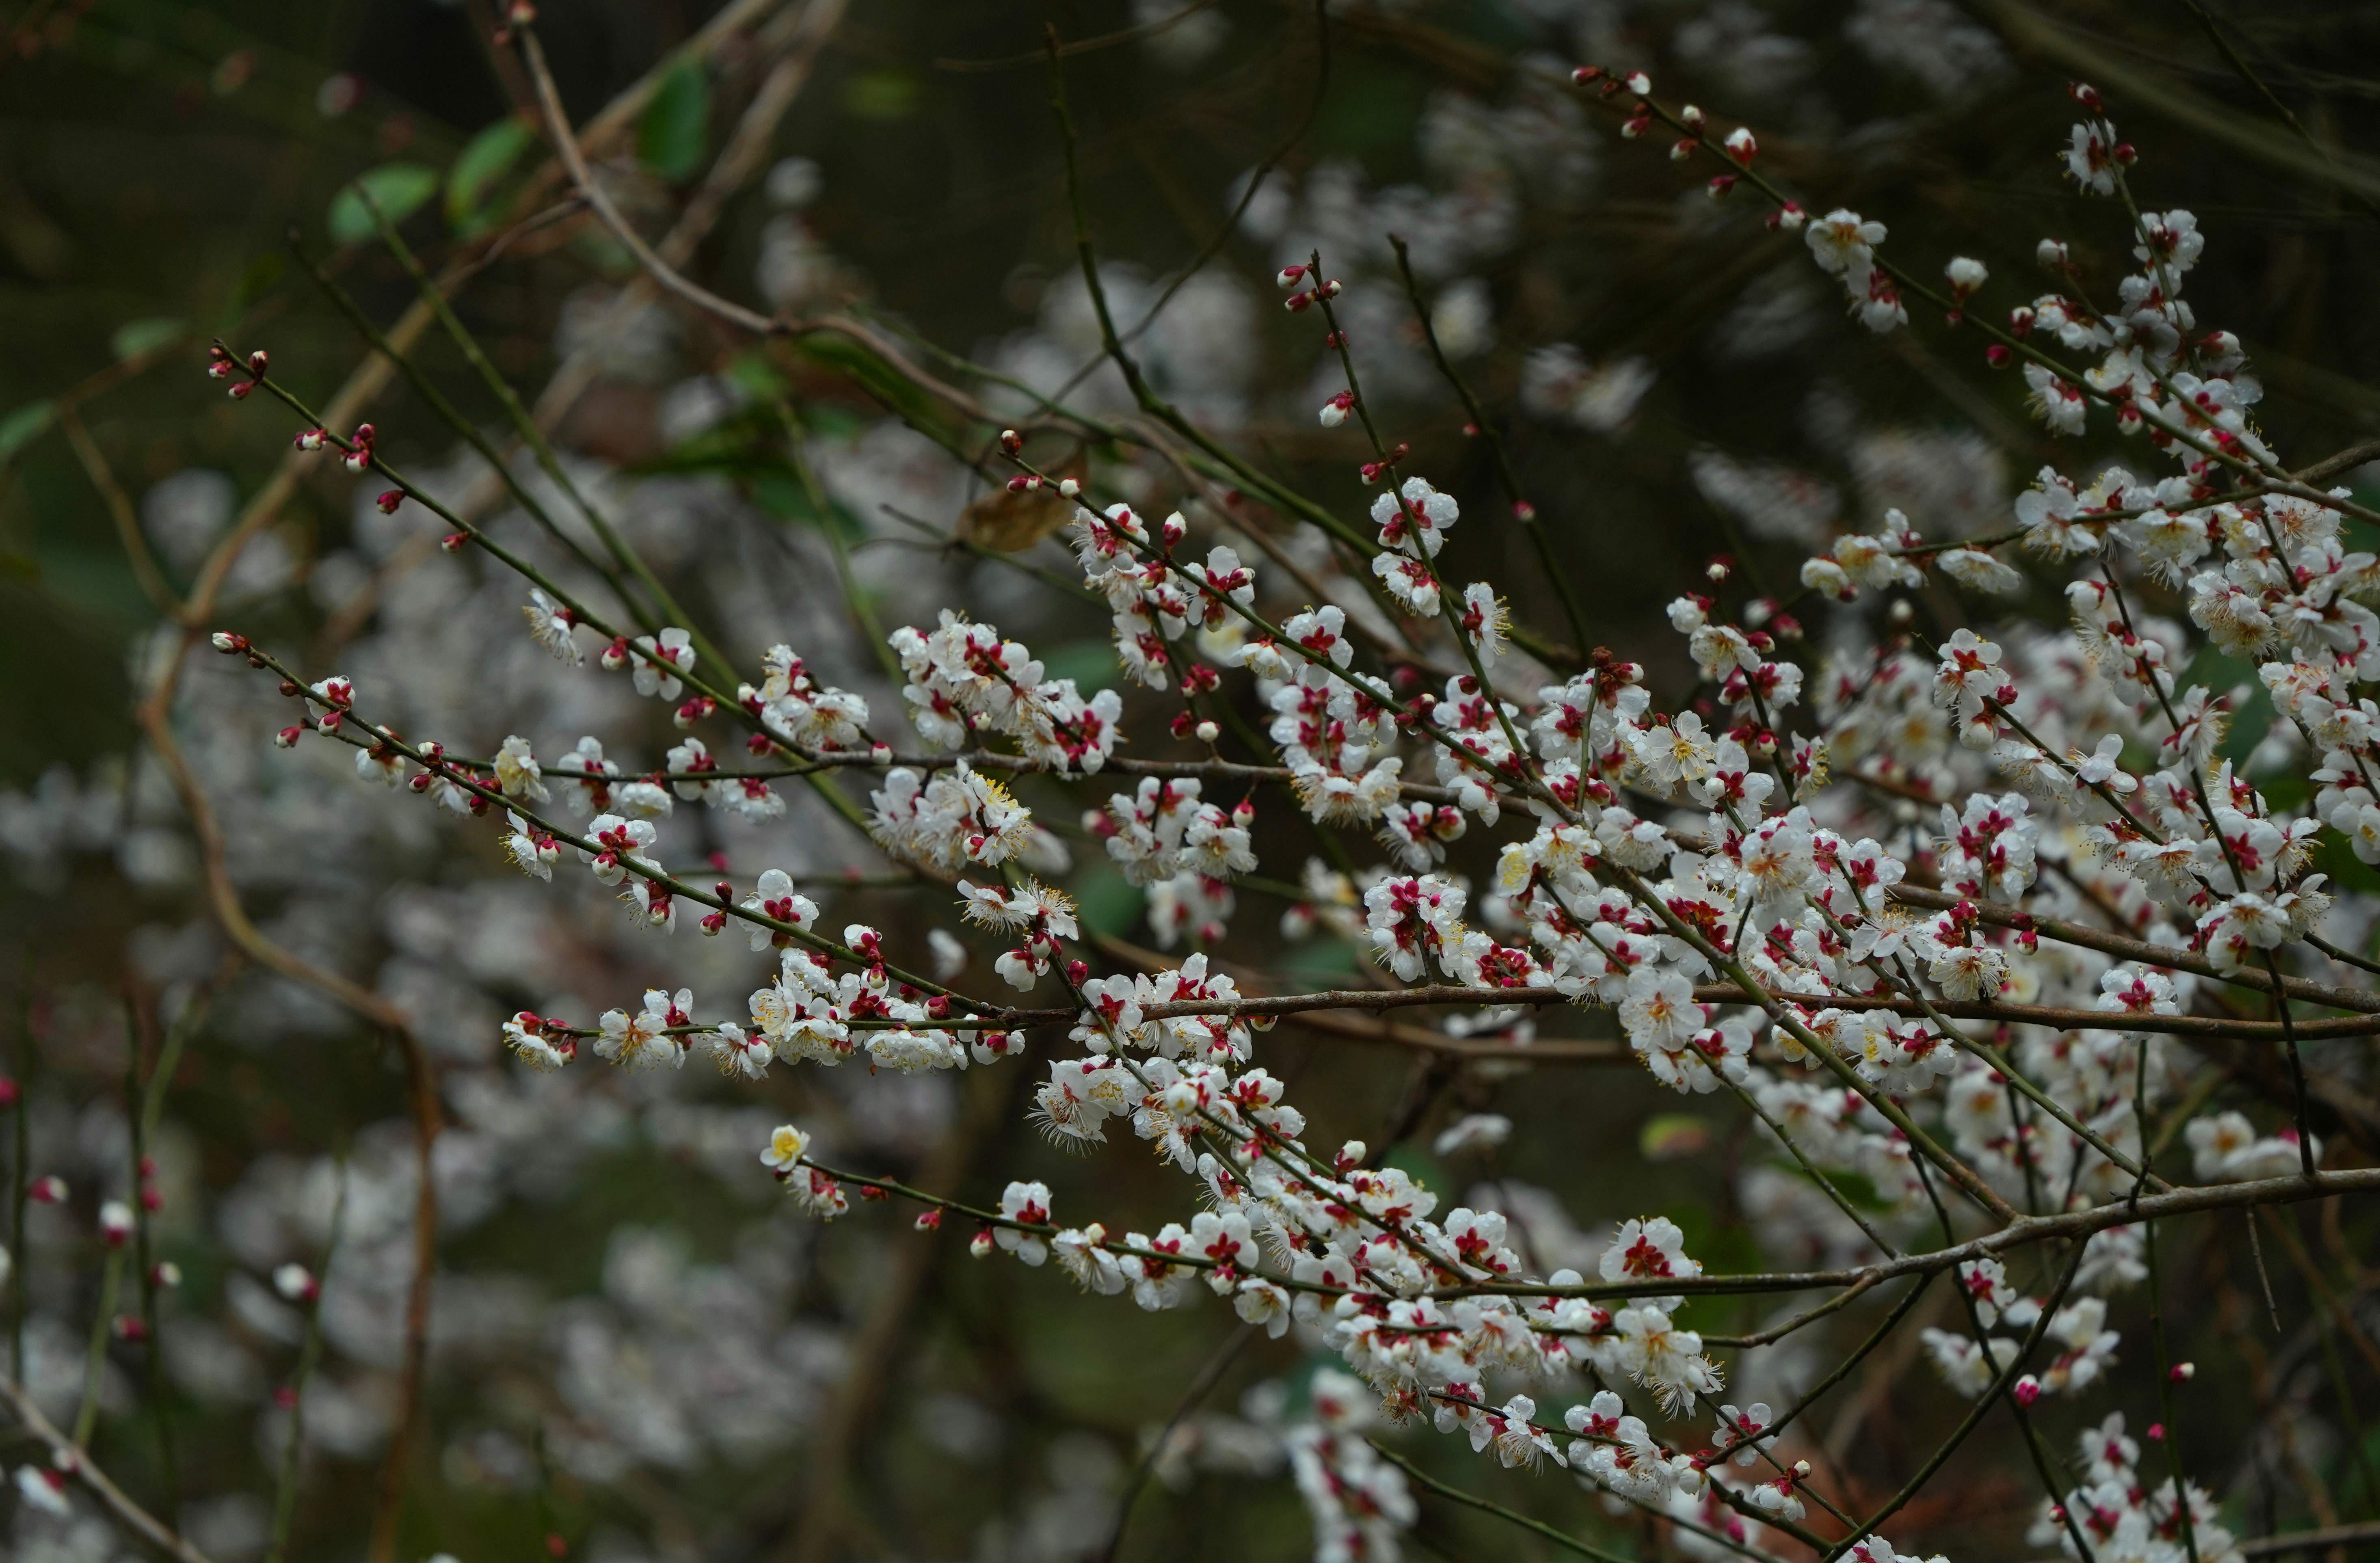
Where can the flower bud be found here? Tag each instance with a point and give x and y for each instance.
(929, 1220)
(229, 645)
(165, 1274)
(287, 737)
(297, 1283)
(615, 655)
(1639, 83)
(2184, 1372)
(116, 1223)
(2027, 1391)
(1692, 116)
(454, 542)
(1741, 147)
(128, 1326)
(1011, 441)
(979, 1245)
(1207, 732)
(1998, 355)
(51, 1189)
(389, 500)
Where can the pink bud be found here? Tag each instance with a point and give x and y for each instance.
(51, 1189)
(979, 1246)
(389, 500)
(2027, 1391)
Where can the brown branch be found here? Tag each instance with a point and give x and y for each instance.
(134, 1518)
(2164, 956)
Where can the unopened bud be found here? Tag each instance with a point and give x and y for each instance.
(1207, 732)
(454, 542)
(165, 1274)
(2184, 1372)
(1998, 355)
(51, 1189)
(979, 1245)
(389, 501)
(297, 1283)
(931, 1220)
(114, 1223)
(1639, 83)
(287, 737)
(1010, 440)
(229, 645)
(2027, 1391)
(1692, 116)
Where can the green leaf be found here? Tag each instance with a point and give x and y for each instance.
(22, 427)
(1673, 1137)
(875, 376)
(1105, 901)
(1090, 664)
(135, 337)
(675, 129)
(478, 167)
(882, 95)
(397, 188)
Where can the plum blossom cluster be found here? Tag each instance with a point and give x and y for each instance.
(1929, 913)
